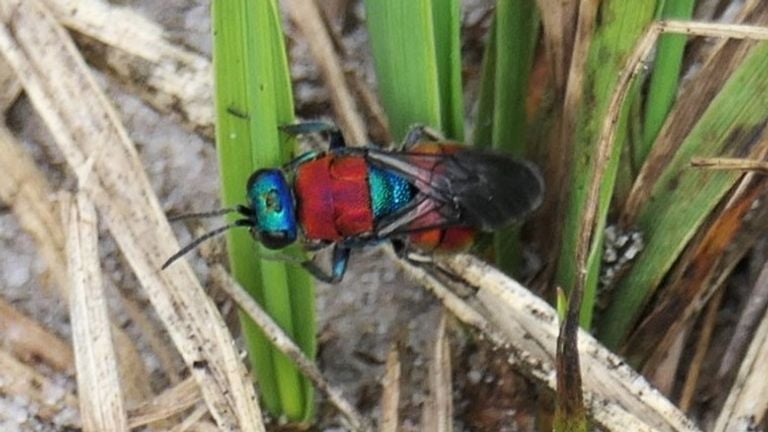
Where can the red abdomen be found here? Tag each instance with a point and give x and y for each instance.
(333, 198)
(449, 239)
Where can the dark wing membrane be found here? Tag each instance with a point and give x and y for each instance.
(484, 190)
(502, 191)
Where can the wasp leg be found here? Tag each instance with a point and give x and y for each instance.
(419, 133)
(335, 138)
(403, 250)
(304, 128)
(400, 246)
(315, 245)
(301, 160)
(338, 266)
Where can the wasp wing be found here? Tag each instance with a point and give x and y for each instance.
(484, 190)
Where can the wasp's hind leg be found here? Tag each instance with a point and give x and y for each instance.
(420, 133)
(403, 250)
(338, 266)
(335, 138)
(401, 247)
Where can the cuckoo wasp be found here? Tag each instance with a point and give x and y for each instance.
(430, 194)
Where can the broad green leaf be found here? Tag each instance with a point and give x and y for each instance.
(621, 25)
(501, 115)
(418, 77)
(253, 97)
(665, 77)
(447, 23)
(683, 197)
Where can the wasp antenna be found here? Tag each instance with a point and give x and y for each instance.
(210, 234)
(214, 213)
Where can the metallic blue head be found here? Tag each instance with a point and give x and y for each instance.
(271, 201)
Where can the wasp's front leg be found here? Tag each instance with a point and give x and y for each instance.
(338, 266)
(420, 133)
(302, 159)
(335, 138)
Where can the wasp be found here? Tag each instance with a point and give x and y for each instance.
(430, 194)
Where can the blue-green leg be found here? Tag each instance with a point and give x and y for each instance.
(338, 266)
(304, 158)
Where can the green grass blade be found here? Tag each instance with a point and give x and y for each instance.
(683, 197)
(665, 78)
(501, 115)
(483, 132)
(446, 18)
(300, 288)
(515, 34)
(621, 25)
(253, 97)
(403, 42)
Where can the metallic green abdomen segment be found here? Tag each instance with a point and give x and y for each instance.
(389, 191)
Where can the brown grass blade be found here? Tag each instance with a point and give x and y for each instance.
(569, 377)
(722, 30)
(306, 16)
(10, 87)
(747, 400)
(27, 340)
(557, 162)
(134, 49)
(26, 190)
(437, 412)
(731, 164)
(558, 20)
(755, 223)
(683, 117)
(570, 414)
(576, 67)
(680, 199)
(169, 403)
(702, 346)
(286, 345)
(97, 149)
(749, 319)
(377, 123)
(390, 393)
(153, 335)
(687, 292)
(192, 421)
(557, 166)
(513, 318)
(98, 384)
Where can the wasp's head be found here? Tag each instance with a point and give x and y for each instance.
(270, 214)
(273, 211)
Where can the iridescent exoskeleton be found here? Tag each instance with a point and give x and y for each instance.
(431, 194)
